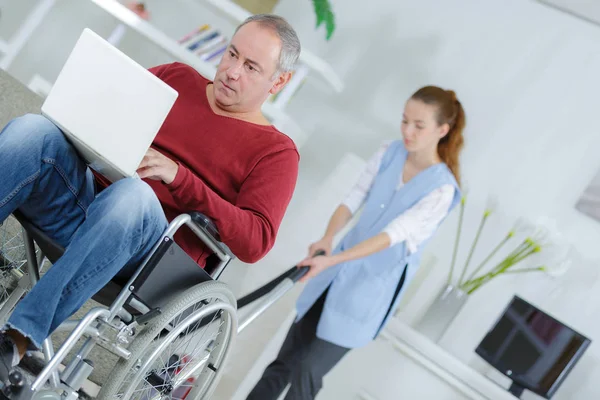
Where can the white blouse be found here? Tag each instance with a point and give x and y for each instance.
(415, 224)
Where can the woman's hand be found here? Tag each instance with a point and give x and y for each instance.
(324, 244)
(365, 248)
(317, 265)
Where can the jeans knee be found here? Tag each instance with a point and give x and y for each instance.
(30, 131)
(133, 200)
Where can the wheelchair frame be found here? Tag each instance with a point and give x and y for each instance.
(84, 326)
(78, 370)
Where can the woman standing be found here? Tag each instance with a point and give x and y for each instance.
(408, 187)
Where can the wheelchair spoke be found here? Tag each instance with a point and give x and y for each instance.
(190, 337)
(187, 363)
(182, 351)
(12, 261)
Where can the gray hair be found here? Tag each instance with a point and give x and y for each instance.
(290, 44)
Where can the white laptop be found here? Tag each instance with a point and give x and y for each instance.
(108, 106)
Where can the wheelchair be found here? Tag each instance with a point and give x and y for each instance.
(171, 324)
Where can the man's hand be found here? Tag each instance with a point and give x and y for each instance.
(317, 265)
(157, 167)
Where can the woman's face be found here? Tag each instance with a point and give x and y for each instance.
(420, 129)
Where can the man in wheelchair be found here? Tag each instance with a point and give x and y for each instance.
(216, 154)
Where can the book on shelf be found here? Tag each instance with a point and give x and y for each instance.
(214, 57)
(208, 46)
(205, 42)
(190, 36)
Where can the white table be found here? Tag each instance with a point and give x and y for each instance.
(439, 362)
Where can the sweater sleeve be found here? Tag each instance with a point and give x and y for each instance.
(248, 227)
(159, 70)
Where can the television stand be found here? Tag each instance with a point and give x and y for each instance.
(516, 390)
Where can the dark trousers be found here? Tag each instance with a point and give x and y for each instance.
(303, 361)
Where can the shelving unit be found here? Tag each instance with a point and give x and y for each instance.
(274, 111)
(11, 47)
(308, 65)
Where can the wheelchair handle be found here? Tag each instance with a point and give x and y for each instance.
(303, 270)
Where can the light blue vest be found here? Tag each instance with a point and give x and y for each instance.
(361, 291)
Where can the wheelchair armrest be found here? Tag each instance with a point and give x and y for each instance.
(206, 226)
(206, 223)
(207, 232)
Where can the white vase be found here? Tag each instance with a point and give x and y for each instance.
(442, 312)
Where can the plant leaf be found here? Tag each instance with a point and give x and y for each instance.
(324, 15)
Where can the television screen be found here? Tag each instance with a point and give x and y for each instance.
(533, 349)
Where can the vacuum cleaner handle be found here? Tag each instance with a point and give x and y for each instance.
(276, 289)
(302, 270)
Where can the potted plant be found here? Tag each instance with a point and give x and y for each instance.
(525, 248)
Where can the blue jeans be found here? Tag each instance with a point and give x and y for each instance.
(103, 234)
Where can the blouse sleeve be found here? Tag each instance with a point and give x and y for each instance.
(421, 220)
(357, 195)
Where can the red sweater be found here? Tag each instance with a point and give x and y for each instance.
(239, 174)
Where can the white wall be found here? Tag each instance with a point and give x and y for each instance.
(527, 76)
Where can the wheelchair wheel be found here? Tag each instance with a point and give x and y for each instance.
(12, 257)
(12, 250)
(181, 353)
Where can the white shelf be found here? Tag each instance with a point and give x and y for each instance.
(447, 367)
(276, 116)
(238, 14)
(14, 45)
(155, 35)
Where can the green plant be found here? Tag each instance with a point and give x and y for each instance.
(543, 248)
(324, 15)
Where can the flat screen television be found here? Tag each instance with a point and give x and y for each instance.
(533, 349)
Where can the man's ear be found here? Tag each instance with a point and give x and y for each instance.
(281, 80)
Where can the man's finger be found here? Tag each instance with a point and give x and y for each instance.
(146, 161)
(146, 172)
(150, 161)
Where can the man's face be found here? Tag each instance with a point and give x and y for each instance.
(246, 75)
